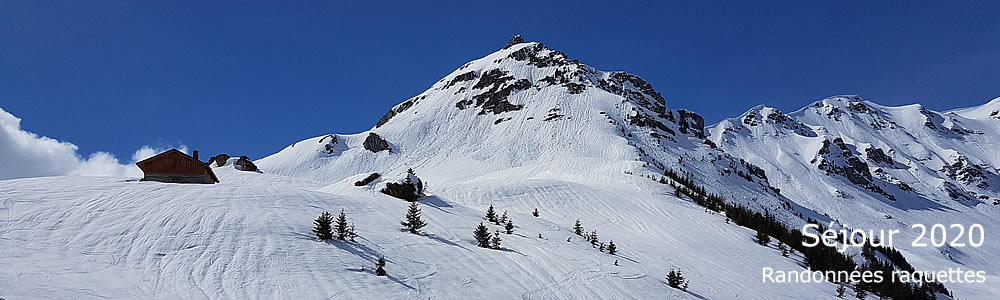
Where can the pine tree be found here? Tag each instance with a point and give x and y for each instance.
(601, 247)
(482, 235)
(762, 238)
(840, 291)
(351, 233)
(677, 191)
(503, 218)
(413, 223)
(860, 293)
(509, 227)
(341, 226)
(783, 248)
(593, 238)
(675, 279)
(491, 215)
(535, 213)
(612, 248)
(323, 230)
(578, 229)
(379, 271)
(495, 241)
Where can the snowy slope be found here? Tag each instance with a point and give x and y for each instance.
(870, 166)
(247, 237)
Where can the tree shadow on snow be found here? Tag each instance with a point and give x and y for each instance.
(371, 271)
(362, 251)
(443, 240)
(435, 202)
(396, 280)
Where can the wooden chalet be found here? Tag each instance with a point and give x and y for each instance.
(176, 167)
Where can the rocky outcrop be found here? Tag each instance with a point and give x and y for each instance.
(244, 164)
(878, 156)
(517, 39)
(409, 189)
(497, 86)
(219, 160)
(461, 78)
(398, 109)
(646, 97)
(692, 122)
(837, 158)
(371, 177)
(375, 143)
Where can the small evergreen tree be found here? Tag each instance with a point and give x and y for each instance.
(593, 238)
(509, 227)
(675, 279)
(322, 229)
(535, 213)
(783, 248)
(495, 241)
(482, 235)
(351, 233)
(413, 222)
(503, 218)
(379, 271)
(578, 229)
(860, 293)
(612, 248)
(341, 226)
(677, 191)
(491, 215)
(601, 247)
(762, 238)
(840, 291)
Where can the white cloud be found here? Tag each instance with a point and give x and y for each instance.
(25, 154)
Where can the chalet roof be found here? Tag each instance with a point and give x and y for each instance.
(175, 152)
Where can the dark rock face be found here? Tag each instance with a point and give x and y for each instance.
(647, 121)
(461, 78)
(405, 191)
(517, 39)
(219, 160)
(371, 177)
(497, 85)
(878, 156)
(385, 118)
(648, 97)
(691, 121)
(375, 143)
(244, 164)
(531, 54)
(328, 147)
(969, 173)
(398, 109)
(859, 107)
(852, 167)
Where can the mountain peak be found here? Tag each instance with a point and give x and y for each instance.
(517, 39)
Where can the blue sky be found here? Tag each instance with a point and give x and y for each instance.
(251, 78)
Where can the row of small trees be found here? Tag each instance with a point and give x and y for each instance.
(594, 241)
(493, 241)
(326, 228)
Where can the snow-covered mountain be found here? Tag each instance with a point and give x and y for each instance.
(870, 166)
(520, 129)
